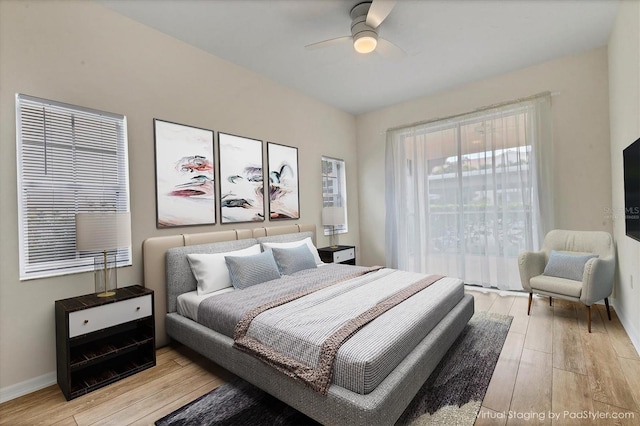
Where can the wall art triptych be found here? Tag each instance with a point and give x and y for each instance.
(186, 174)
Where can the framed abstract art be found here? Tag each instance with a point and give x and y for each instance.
(284, 196)
(241, 179)
(185, 189)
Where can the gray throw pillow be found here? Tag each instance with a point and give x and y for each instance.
(246, 271)
(567, 265)
(294, 259)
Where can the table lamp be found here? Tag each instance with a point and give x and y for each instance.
(103, 232)
(332, 216)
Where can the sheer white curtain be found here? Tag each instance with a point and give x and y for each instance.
(465, 195)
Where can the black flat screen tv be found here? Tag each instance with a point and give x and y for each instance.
(631, 158)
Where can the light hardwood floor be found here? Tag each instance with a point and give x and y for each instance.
(549, 364)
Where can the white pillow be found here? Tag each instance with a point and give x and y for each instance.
(210, 269)
(307, 241)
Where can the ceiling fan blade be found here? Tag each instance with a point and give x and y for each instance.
(327, 43)
(390, 51)
(379, 11)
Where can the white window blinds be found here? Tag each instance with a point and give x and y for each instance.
(70, 160)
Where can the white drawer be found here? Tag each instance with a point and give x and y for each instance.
(343, 255)
(104, 316)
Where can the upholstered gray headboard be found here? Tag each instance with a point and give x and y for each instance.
(164, 261)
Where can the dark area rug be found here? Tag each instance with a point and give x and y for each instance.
(451, 396)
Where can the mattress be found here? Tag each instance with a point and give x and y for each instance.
(188, 303)
(364, 360)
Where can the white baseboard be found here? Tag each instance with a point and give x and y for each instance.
(628, 327)
(28, 386)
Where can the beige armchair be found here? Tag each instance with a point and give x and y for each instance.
(597, 276)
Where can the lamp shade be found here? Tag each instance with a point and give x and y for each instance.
(333, 216)
(103, 231)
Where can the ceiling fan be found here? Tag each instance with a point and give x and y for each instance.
(366, 18)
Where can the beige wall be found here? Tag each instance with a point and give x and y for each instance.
(84, 54)
(624, 89)
(580, 110)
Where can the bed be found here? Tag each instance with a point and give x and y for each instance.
(424, 314)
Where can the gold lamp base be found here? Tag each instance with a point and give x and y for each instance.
(333, 238)
(105, 275)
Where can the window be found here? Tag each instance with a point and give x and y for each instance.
(334, 190)
(464, 195)
(70, 160)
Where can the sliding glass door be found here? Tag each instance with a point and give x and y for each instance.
(467, 194)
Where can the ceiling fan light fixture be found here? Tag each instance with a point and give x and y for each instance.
(365, 42)
(366, 18)
(365, 38)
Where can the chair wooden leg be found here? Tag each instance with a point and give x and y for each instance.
(606, 302)
(589, 318)
(529, 307)
(550, 301)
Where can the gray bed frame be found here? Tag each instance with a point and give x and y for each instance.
(382, 406)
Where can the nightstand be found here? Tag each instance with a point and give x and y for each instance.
(339, 254)
(100, 340)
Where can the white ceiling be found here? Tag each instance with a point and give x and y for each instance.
(448, 43)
